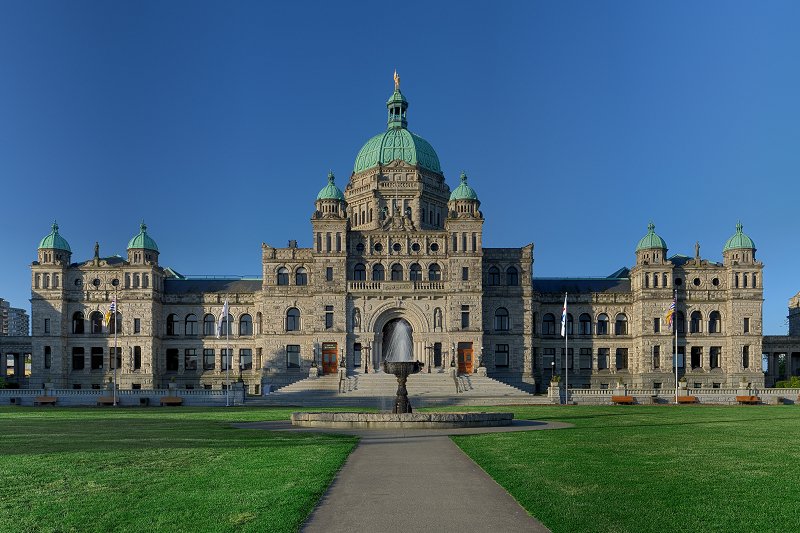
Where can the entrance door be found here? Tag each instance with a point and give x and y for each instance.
(465, 358)
(330, 361)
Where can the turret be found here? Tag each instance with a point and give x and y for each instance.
(142, 249)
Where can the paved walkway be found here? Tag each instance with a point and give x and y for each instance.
(415, 480)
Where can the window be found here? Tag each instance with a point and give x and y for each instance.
(301, 276)
(664, 280)
(585, 358)
(357, 351)
(501, 319)
(378, 272)
(657, 325)
(245, 325)
(602, 324)
(501, 355)
(745, 356)
(171, 329)
(621, 325)
(585, 324)
(512, 276)
(47, 325)
(359, 272)
(680, 322)
(172, 359)
(714, 322)
(714, 356)
(77, 323)
(397, 272)
(549, 324)
(227, 325)
(48, 356)
(657, 385)
(435, 246)
(293, 319)
(190, 359)
(647, 280)
(96, 359)
(570, 324)
(115, 323)
(208, 325)
(137, 325)
(283, 276)
(328, 316)
(78, 360)
(360, 247)
(746, 325)
(697, 357)
(396, 247)
(602, 358)
(622, 358)
(208, 359)
(549, 359)
(695, 321)
(118, 362)
(567, 357)
(464, 316)
(434, 272)
(494, 276)
(292, 356)
(437, 354)
(681, 358)
(137, 357)
(190, 325)
(246, 359)
(328, 273)
(656, 356)
(225, 356)
(464, 273)
(414, 273)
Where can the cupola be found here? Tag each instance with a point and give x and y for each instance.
(739, 248)
(463, 200)
(651, 249)
(53, 248)
(142, 249)
(330, 200)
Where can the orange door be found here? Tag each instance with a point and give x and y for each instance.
(465, 360)
(330, 361)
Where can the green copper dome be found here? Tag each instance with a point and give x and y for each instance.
(739, 240)
(54, 241)
(651, 240)
(330, 191)
(463, 191)
(142, 241)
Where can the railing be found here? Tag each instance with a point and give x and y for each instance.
(388, 286)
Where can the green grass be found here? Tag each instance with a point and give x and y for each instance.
(159, 470)
(641, 469)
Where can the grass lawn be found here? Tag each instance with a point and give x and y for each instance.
(661, 468)
(159, 470)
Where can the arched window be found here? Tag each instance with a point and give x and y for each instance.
(585, 323)
(127, 281)
(549, 324)
(96, 320)
(145, 281)
(512, 276)
(714, 322)
(397, 272)
(301, 276)
(696, 320)
(602, 324)
(621, 325)
(434, 272)
(245, 325)
(77, 323)
(655, 280)
(171, 329)
(293, 319)
(494, 276)
(414, 273)
(136, 281)
(378, 272)
(663, 280)
(283, 276)
(680, 322)
(227, 326)
(190, 325)
(209, 324)
(570, 324)
(647, 280)
(359, 272)
(501, 322)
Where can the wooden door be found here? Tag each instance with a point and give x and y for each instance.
(330, 358)
(465, 360)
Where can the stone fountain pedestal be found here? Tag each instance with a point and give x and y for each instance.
(402, 369)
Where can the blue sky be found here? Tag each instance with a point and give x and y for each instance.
(577, 122)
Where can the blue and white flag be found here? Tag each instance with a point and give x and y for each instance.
(223, 316)
(564, 318)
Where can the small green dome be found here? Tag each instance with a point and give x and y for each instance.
(739, 240)
(54, 241)
(142, 241)
(463, 191)
(330, 191)
(651, 240)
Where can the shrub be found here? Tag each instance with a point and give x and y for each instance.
(792, 383)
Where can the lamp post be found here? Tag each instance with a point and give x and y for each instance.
(367, 359)
(552, 370)
(429, 349)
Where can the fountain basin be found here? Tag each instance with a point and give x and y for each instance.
(401, 420)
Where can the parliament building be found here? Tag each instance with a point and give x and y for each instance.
(395, 243)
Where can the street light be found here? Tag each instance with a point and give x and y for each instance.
(552, 370)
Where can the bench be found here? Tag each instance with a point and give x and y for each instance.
(45, 400)
(752, 400)
(623, 400)
(171, 400)
(106, 400)
(687, 399)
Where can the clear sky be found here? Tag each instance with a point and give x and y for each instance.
(577, 123)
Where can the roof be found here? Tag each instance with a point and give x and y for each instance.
(330, 191)
(463, 191)
(651, 240)
(739, 240)
(199, 286)
(54, 241)
(142, 241)
(581, 285)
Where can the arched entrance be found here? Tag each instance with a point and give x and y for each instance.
(397, 341)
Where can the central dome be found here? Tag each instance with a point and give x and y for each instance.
(397, 142)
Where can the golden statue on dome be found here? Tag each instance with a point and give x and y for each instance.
(396, 81)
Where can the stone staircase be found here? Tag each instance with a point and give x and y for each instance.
(378, 390)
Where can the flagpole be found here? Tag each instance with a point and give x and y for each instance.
(228, 361)
(675, 326)
(114, 395)
(566, 352)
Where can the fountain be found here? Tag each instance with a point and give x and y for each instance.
(397, 343)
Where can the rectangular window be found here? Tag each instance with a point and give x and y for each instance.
(190, 359)
(681, 357)
(137, 357)
(172, 359)
(328, 273)
(569, 358)
(464, 316)
(246, 359)
(357, 353)
(697, 356)
(225, 356)
(549, 359)
(697, 385)
(656, 356)
(716, 385)
(455, 242)
(78, 360)
(585, 355)
(714, 356)
(746, 325)
(622, 358)
(293, 356)
(137, 325)
(464, 273)
(745, 356)
(501, 355)
(657, 385)
(97, 358)
(209, 362)
(602, 358)
(47, 325)
(48, 356)
(437, 354)
(328, 316)
(657, 325)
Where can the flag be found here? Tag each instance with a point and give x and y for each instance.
(670, 313)
(224, 316)
(564, 318)
(112, 309)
